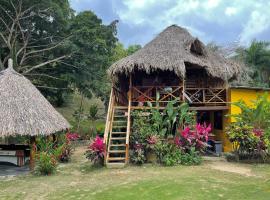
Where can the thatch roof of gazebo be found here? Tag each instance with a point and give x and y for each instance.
(24, 110)
(170, 50)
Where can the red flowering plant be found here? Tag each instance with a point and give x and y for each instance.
(96, 151)
(72, 136)
(67, 146)
(197, 137)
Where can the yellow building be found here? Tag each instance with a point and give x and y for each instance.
(246, 94)
(173, 66)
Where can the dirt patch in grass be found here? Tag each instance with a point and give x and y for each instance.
(232, 168)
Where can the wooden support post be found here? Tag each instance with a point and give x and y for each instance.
(183, 91)
(227, 94)
(129, 119)
(32, 152)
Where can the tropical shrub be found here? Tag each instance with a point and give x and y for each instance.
(168, 154)
(250, 133)
(46, 164)
(66, 149)
(138, 154)
(46, 157)
(72, 136)
(149, 129)
(173, 116)
(151, 141)
(193, 138)
(96, 151)
(93, 117)
(191, 158)
(257, 114)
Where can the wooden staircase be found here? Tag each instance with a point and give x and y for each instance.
(116, 136)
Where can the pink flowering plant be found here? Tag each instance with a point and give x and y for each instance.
(96, 151)
(193, 138)
(72, 136)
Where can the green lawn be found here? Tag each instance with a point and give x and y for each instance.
(77, 180)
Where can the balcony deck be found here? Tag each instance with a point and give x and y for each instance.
(159, 96)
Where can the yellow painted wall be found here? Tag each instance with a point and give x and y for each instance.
(235, 95)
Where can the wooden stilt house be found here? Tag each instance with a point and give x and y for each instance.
(174, 65)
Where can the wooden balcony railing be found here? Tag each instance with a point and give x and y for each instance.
(156, 94)
(164, 94)
(206, 95)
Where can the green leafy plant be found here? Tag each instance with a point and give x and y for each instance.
(256, 115)
(46, 157)
(138, 155)
(251, 130)
(93, 117)
(191, 158)
(168, 154)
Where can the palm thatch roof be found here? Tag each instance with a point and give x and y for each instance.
(171, 50)
(24, 110)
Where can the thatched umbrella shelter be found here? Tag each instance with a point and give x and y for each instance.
(24, 110)
(172, 50)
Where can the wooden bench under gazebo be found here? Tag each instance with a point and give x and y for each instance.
(24, 111)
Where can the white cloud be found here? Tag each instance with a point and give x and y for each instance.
(218, 20)
(211, 4)
(230, 11)
(258, 22)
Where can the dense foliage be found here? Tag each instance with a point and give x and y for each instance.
(250, 133)
(194, 137)
(154, 131)
(46, 157)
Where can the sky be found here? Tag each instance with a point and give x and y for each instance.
(221, 21)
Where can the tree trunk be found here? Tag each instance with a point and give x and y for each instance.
(32, 152)
(80, 113)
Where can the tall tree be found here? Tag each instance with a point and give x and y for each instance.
(257, 56)
(34, 33)
(93, 44)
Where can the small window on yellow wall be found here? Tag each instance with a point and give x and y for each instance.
(218, 120)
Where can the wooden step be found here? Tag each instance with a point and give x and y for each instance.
(118, 148)
(117, 145)
(121, 107)
(116, 158)
(117, 151)
(124, 126)
(118, 138)
(123, 134)
(116, 132)
(119, 121)
(120, 116)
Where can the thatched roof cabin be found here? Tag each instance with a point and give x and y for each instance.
(173, 50)
(24, 110)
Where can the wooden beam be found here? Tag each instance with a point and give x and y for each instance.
(206, 108)
(129, 119)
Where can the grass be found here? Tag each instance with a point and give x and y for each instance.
(78, 180)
